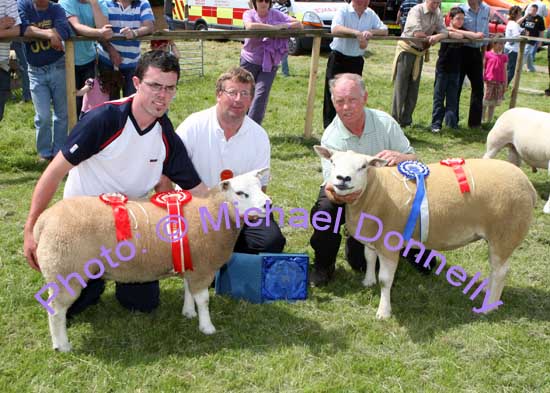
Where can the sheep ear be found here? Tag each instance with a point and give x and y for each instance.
(378, 162)
(260, 173)
(323, 152)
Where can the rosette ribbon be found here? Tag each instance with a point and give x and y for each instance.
(456, 164)
(173, 201)
(117, 201)
(416, 170)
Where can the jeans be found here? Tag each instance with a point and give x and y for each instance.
(47, 84)
(529, 57)
(445, 99)
(19, 49)
(511, 67)
(264, 81)
(284, 66)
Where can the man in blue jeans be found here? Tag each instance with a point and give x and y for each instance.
(46, 21)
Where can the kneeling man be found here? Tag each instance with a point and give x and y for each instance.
(366, 131)
(223, 141)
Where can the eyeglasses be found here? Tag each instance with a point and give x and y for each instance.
(157, 87)
(235, 93)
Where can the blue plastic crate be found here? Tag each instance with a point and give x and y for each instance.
(264, 278)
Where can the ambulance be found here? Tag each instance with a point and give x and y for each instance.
(228, 15)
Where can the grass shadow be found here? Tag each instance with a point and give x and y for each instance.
(241, 326)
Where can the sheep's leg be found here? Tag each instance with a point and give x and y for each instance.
(188, 302)
(205, 324)
(58, 320)
(513, 155)
(370, 276)
(546, 208)
(385, 277)
(499, 270)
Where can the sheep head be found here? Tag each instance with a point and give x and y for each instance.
(349, 169)
(246, 190)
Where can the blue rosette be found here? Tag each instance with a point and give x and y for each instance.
(418, 171)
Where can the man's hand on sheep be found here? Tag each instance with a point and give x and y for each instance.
(340, 199)
(29, 249)
(394, 157)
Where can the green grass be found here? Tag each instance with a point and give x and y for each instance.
(329, 343)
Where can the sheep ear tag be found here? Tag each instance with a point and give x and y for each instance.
(416, 170)
(226, 174)
(117, 202)
(173, 201)
(456, 164)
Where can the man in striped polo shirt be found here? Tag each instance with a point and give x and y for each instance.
(131, 19)
(10, 25)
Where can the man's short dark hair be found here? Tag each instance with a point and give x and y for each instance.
(236, 74)
(160, 59)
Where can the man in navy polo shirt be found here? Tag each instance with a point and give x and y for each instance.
(122, 146)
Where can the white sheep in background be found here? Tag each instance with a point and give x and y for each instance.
(71, 232)
(499, 209)
(526, 133)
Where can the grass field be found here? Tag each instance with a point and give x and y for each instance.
(329, 343)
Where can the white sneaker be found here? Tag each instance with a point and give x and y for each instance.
(436, 130)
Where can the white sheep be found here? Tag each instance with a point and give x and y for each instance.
(499, 209)
(526, 133)
(72, 233)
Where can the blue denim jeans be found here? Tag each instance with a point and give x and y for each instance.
(47, 84)
(511, 67)
(445, 99)
(284, 65)
(529, 57)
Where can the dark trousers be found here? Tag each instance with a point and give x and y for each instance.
(472, 67)
(445, 99)
(263, 238)
(338, 64)
(327, 243)
(264, 81)
(5, 82)
(81, 74)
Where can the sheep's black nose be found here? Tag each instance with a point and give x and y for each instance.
(344, 179)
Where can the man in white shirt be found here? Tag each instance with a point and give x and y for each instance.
(223, 141)
(347, 53)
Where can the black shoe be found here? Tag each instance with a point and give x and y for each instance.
(411, 257)
(320, 277)
(88, 297)
(143, 297)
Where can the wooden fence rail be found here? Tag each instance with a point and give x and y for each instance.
(316, 34)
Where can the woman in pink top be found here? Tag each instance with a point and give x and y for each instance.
(262, 56)
(495, 78)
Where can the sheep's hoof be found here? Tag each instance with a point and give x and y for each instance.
(208, 330)
(369, 282)
(63, 348)
(381, 315)
(191, 313)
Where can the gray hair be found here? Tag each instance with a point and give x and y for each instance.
(351, 77)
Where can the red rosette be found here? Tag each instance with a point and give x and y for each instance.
(173, 201)
(117, 202)
(456, 164)
(226, 174)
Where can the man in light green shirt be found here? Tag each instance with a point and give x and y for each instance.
(366, 131)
